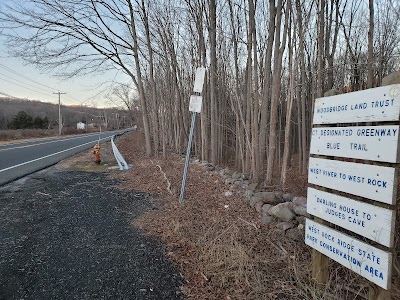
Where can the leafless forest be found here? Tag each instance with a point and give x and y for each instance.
(266, 63)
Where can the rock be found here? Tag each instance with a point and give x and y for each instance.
(236, 175)
(253, 186)
(209, 167)
(265, 209)
(300, 210)
(226, 171)
(265, 219)
(289, 205)
(287, 197)
(235, 185)
(254, 200)
(248, 194)
(301, 220)
(258, 206)
(282, 212)
(228, 194)
(301, 226)
(393, 78)
(196, 161)
(300, 201)
(332, 92)
(278, 195)
(229, 181)
(237, 182)
(267, 197)
(284, 225)
(244, 184)
(295, 234)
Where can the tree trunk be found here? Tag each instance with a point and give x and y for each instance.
(266, 87)
(276, 88)
(370, 78)
(152, 82)
(143, 104)
(286, 151)
(213, 78)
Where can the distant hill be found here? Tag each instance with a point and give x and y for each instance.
(113, 117)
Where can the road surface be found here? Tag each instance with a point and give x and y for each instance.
(23, 158)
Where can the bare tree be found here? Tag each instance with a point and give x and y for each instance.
(77, 37)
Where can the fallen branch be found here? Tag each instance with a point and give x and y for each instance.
(249, 223)
(165, 176)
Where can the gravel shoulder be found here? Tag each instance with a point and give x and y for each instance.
(66, 233)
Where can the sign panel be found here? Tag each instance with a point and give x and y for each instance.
(199, 80)
(379, 143)
(372, 105)
(366, 260)
(373, 222)
(372, 182)
(195, 103)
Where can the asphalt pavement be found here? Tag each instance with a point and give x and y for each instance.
(22, 158)
(68, 234)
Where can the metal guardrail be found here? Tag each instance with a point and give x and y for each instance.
(118, 156)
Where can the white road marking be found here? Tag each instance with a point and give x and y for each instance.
(43, 157)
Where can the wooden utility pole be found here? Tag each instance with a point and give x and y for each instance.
(59, 112)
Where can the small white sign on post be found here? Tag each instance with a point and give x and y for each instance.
(199, 80)
(363, 142)
(372, 105)
(366, 260)
(369, 181)
(373, 222)
(195, 103)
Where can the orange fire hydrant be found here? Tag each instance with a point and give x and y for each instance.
(96, 152)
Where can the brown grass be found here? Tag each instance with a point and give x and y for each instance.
(217, 242)
(18, 134)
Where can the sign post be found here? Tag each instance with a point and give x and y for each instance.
(372, 217)
(195, 105)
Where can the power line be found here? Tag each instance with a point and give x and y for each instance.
(25, 87)
(70, 96)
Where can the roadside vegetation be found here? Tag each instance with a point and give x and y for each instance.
(218, 242)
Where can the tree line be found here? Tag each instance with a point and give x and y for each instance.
(267, 62)
(24, 114)
(22, 120)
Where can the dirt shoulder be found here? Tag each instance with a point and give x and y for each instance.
(217, 242)
(66, 233)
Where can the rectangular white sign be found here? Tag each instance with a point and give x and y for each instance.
(373, 222)
(369, 181)
(379, 143)
(372, 105)
(366, 260)
(199, 80)
(195, 104)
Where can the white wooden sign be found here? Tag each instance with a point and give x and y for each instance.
(195, 103)
(372, 105)
(199, 80)
(373, 222)
(378, 143)
(366, 260)
(369, 181)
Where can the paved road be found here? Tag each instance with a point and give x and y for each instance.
(20, 159)
(68, 234)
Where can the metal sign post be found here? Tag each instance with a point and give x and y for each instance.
(194, 107)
